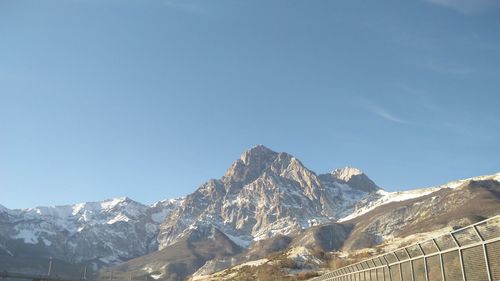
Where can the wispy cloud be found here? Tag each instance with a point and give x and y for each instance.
(421, 97)
(382, 112)
(468, 6)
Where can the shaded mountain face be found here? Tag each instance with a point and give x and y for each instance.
(180, 259)
(101, 233)
(327, 237)
(265, 193)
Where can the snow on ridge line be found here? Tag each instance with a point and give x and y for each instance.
(388, 197)
(174, 201)
(68, 211)
(457, 183)
(112, 203)
(346, 173)
(398, 196)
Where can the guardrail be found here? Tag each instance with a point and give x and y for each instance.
(471, 253)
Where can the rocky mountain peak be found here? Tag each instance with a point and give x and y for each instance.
(346, 173)
(2, 208)
(265, 193)
(261, 161)
(351, 176)
(250, 166)
(258, 154)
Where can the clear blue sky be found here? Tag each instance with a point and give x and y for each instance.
(150, 98)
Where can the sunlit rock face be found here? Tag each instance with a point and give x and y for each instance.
(266, 193)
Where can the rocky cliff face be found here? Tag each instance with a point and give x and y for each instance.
(265, 193)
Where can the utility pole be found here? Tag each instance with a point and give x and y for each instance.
(84, 273)
(50, 267)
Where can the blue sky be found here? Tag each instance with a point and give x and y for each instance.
(148, 99)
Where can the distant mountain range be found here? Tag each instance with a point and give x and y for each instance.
(266, 202)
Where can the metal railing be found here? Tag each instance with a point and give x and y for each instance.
(471, 253)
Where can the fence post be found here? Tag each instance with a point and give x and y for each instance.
(411, 264)
(460, 255)
(388, 268)
(382, 268)
(485, 252)
(425, 262)
(400, 268)
(440, 259)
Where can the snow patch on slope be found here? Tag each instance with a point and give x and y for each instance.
(302, 254)
(28, 236)
(166, 207)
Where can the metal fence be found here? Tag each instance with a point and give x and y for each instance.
(471, 253)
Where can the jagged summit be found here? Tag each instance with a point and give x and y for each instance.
(256, 153)
(261, 161)
(351, 176)
(346, 173)
(250, 165)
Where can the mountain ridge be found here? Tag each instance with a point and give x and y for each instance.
(263, 195)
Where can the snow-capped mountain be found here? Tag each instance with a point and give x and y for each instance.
(265, 193)
(266, 201)
(105, 232)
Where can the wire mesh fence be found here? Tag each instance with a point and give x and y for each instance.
(471, 253)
